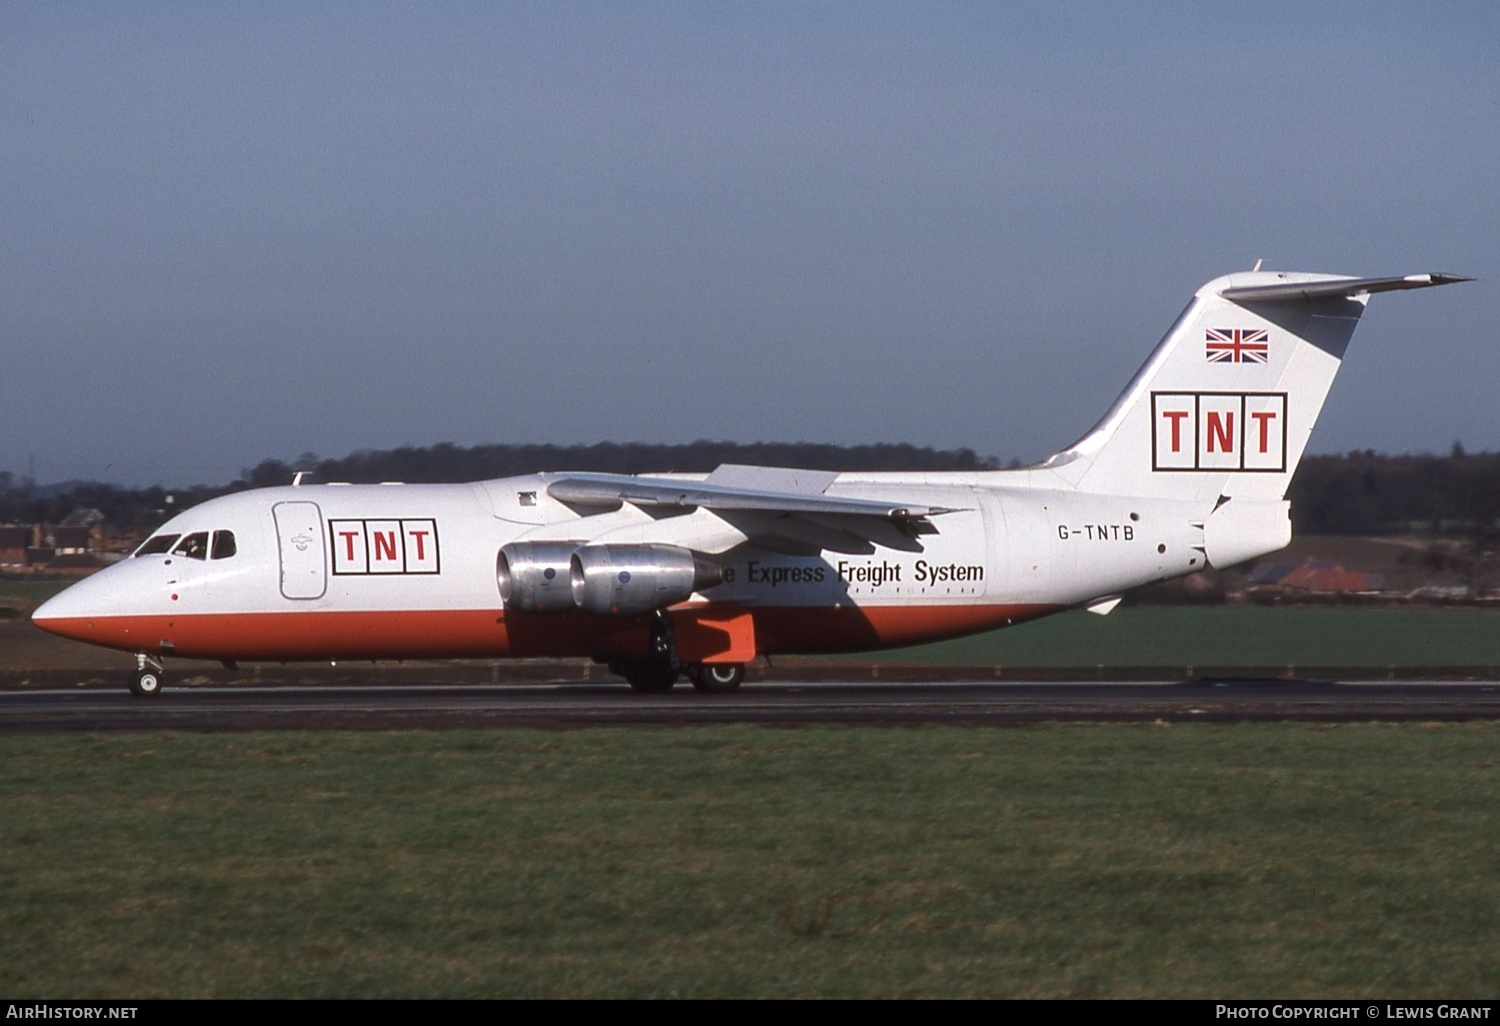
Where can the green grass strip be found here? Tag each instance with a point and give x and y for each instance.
(1231, 636)
(29, 592)
(1069, 860)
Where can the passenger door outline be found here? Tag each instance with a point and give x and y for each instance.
(299, 536)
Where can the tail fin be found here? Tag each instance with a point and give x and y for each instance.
(1226, 402)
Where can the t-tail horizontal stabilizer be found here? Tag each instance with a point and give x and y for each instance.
(1346, 287)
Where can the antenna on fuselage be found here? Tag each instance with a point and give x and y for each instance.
(297, 478)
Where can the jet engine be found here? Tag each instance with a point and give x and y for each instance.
(627, 580)
(534, 576)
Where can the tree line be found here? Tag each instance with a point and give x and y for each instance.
(1360, 493)
(1368, 494)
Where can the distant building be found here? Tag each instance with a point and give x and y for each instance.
(1321, 575)
(14, 541)
(71, 541)
(82, 517)
(93, 521)
(67, 546)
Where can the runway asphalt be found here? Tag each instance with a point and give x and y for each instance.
(241, 707)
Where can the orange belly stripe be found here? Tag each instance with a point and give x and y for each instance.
(484, 633)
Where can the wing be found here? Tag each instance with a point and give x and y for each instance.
(780, 508)
(608, 491)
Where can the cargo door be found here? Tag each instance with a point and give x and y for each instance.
(521, 500)
(996, 547)
(299, 533)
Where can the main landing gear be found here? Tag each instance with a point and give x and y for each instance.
(649, 677)
(717, 678)
(656, 675)
(145, 681)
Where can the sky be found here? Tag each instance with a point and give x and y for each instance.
(232, 232)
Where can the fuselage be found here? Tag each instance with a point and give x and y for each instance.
(656, 574)
(409, 571)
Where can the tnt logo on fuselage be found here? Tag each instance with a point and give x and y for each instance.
(384, 546)
(1243, 431)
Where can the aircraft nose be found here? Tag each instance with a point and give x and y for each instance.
(66, 612)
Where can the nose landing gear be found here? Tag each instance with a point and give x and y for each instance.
(145, 681)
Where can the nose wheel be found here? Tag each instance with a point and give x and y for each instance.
(145, 681)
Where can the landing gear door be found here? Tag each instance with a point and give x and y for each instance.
(299, 534)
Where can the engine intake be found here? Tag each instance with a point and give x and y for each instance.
(627, 580)
(534, 576)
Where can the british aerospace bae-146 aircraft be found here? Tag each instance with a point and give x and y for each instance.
(672, 574)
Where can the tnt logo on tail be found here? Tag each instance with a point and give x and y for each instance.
(1244, 431)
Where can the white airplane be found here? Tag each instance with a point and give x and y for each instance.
(667, 574)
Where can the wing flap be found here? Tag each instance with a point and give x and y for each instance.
(772, 479)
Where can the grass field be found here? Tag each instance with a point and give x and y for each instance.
(1304, 637)
(1172, 638)
(1090, 860)
(27, 593)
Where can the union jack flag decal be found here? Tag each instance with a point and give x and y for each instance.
(1237, 345)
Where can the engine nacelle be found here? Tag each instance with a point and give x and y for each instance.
(534, 576)
(627, 580)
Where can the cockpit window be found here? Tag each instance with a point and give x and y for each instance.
(224, 544)
(156, 546)
(194, 546)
